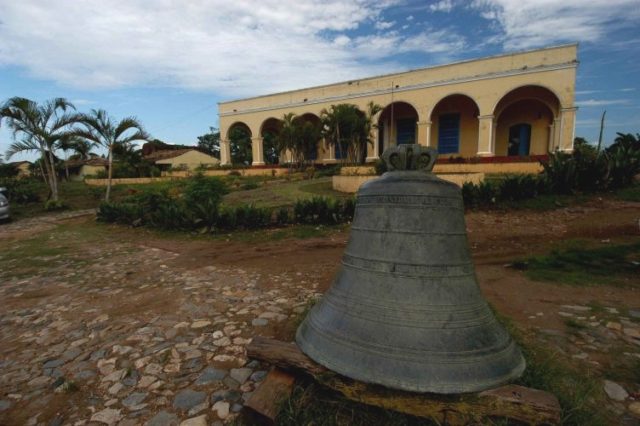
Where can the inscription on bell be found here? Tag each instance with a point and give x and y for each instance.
(408, 200)
(405, 310)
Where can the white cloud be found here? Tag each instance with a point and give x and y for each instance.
(430, 41)
(601, 102)
(441, 6)
(384, 25)
(82, 102)
(529, 23)
(238, 48)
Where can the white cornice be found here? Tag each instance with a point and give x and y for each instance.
(425, 85)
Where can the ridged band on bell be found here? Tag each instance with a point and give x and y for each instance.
(405, 310)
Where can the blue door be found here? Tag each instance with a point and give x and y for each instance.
(449, 134)
(519, 139)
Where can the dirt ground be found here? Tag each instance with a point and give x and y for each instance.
(127, 315)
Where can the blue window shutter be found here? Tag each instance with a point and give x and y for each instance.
(449, 134)
(406, 129)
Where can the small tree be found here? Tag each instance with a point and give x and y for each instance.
(210, 142)
(309, 134)
(270, 148)
(240, 146)
(101, 129)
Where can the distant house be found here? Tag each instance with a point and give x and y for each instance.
(80, 169)
(181, 159)
(23, 168)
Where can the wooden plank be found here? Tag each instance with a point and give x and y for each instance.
(266, 400)
(514, 402)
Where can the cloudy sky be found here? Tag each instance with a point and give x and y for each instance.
(169, 62)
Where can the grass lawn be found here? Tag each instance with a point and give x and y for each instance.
(629, 194)
(577, 264)
(283, 193)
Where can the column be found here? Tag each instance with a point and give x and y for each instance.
(485, 136)
(568, 123)
(332, 153)
(257, 152)
(557, 131)
(424, 133)
(550, 146)
(387, 135)
(372, 148)
(225, 153)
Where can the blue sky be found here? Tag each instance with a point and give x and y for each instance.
(169, 62)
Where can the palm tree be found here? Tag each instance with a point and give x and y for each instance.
(367, 126)
(101, 129)
(40, 128)
(288, 134)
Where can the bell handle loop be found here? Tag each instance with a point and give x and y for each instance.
(410, 157)
(426, 160)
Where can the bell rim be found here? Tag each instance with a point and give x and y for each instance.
(450, 388)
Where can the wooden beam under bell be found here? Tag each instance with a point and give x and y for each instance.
(530, 406)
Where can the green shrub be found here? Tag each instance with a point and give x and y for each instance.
(96, 192)
(8, 171)
(348, 209)
(482, 195)
(327, 171)
(252, 217)
(585, 169)
(172, 214)
(250, 185)
(521, 187)
(624, 160)
(323, 211)
(123, 213)
(22, 191)
(282, 216)
(202, 197)
(227, 219)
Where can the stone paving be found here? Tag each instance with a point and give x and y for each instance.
(125, 339)
(597, 336)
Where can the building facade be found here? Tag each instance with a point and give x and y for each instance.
(512, 105)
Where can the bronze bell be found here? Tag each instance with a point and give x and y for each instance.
(405, 310)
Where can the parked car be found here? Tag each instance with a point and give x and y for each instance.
(5, 213)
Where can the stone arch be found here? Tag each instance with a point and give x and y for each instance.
(534, 106)
(454, 125)
(269, 130)
(397, 125)
(529, 91)
(239, 124)
(239, 136)
(316, 148)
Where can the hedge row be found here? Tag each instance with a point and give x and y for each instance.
(198, 208)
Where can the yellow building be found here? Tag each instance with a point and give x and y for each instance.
(504, 107)
(182, 159)
(80, 169)
(23, 168)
